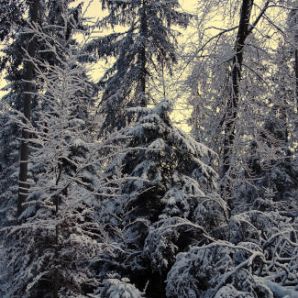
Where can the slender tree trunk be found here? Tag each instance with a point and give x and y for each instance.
(283, 116)
(232, 106)
(293, 15)
(296, 77)
(57, 198)
(34, 11)
(143, 72)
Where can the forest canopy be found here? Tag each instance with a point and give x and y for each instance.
(148, 148)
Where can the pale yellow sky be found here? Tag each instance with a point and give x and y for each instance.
(93, 10)
(94, 7)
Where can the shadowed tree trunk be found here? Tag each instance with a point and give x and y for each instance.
(229, 123)
(28, 76)
(296, 77)
(141, 92)
(232, 105)
(293, 24)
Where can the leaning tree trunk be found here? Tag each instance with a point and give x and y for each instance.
(28, 76)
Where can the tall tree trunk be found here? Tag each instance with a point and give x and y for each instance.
(296, 77)
(294, 21)
(28, 76)
(244, 30)
(141, 92)
(232, 105)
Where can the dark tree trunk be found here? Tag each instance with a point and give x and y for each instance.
(244, 30)
(29, 88)
(294, 21)
(141, 92)
(232, 105)
(296, 77)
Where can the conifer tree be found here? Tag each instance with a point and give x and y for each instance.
(19, 74)
(27, 98)
(138, 213)
(147, 42)
(18, 32)
(168, 201)
(58, 232)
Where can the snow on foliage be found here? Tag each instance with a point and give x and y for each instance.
(175, 228)
(48, 250)
(168, 203)
(115, 288)
(167, 237)
(216, 270)
(137, 213)
(149, 39)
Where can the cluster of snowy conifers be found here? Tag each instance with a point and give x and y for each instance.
(145, 220)
(138, 212)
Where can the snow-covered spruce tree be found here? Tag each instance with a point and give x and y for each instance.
(169, 202)
(48, 253)
(16, 31)
(168, 232)
(148, 42)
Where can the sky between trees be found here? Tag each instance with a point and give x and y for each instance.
(182, 111)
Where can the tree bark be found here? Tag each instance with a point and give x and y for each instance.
(28, 76)
(294, 12)
(244, 30)
(232, 105)
(142, 57)
(296, 78)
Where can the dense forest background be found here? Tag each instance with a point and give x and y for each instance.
(149, 150)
